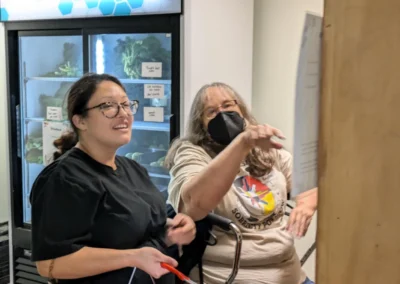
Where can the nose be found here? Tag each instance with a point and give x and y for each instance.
(122, 112)
(219, 109)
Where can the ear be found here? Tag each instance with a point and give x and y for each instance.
(79, 122)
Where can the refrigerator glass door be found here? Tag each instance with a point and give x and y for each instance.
(48, 67)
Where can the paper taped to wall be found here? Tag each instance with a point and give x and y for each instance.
(305, 148)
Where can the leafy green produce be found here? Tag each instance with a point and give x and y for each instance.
(58, 100)
(34, 149)
(70, 65)
(133, 52)
(159, 163)
(134, 156)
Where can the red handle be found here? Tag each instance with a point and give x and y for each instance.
(172, 269)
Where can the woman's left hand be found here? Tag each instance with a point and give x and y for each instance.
(181, 230)
(300, 219)
(301, 216)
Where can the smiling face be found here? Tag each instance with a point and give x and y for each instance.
(97, 126)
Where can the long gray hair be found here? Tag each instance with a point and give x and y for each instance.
(258, 162)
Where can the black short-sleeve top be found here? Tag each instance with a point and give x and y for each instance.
(77, 202)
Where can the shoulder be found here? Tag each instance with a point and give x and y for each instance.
(64, 173)
(188, 148)
(281, 157)
(131, 166)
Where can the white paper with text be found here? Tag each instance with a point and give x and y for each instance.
(153, 91)
(305, 148)
(52, 130)
(152, 69)
(54, 113)
(154, 114)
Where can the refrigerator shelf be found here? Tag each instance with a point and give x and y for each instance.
(151, 126)
(159, 175)
(124, 81)
(52, 79)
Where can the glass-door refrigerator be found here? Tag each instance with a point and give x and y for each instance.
(46, 59)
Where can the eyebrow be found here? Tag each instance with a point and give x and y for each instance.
(114, 98)
(225, 101)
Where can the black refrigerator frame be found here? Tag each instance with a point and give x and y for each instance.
(163, 23)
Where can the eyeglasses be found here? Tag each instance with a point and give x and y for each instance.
(112, 109)
(212, 112)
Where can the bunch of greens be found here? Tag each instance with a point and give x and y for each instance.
(69, 67)
(34, 148)
(58, 100)
(132, 53)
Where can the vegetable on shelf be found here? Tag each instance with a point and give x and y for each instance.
(134, 156)
(133, 52)
(34, 149)
(58, 100)
(159, 163)
(69, 67)
(68, 70)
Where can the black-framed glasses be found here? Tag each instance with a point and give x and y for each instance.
(112, 109)
(212, 112)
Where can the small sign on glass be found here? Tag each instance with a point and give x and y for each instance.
(152, 69)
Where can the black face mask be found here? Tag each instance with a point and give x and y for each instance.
(225, 127)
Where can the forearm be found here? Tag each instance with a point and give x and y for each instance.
(202, 193)
(87, 262)
(309, 197)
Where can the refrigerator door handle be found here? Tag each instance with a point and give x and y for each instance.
(172, 127)
(17, 116)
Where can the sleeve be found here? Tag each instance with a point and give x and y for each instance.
(189, 161)
(285, 161)
(63, 211)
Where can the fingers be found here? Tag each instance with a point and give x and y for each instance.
(292, 220)
(182, 224)
(168, 260)
(262, 136)
(299, 221)
(301, 227)
(178, 220)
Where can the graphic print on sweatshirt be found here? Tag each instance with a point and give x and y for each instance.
(260, 203)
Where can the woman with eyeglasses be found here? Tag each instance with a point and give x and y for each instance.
(97, 217)
(230, 164)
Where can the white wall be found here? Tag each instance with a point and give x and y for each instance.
(4, 165)
(218, 46)
(277, 35)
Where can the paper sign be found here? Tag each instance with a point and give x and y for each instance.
(51, 131)
(153, 91)
(152, 69)
(305, 153)
(155, 114)
(54, 113)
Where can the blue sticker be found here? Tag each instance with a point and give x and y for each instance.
(122, 9)
(65, 7)
(3, 14)
(135, 3)
(92, 3)
(106, 7)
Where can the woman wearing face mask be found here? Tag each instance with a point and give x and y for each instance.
(229, 164)
(97, 217)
